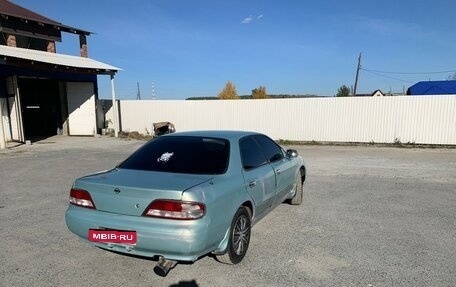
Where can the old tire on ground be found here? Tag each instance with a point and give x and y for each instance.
(239, 237)
(297, 198)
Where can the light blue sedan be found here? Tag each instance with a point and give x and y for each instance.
(184, 195)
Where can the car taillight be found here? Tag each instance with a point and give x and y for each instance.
(81, 198)
(175, 209)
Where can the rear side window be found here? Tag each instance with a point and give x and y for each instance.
(181, 154)
(251, 154)
(272, 151)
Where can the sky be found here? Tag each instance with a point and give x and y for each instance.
(191, 48)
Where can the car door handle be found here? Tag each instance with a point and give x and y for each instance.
(252, 184)
(278, 171)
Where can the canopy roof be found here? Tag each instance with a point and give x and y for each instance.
(7, 53)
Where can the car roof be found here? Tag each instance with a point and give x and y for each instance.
(226, 134)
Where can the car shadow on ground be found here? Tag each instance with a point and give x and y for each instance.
(185, 284)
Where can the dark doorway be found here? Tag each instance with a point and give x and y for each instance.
(41, 112)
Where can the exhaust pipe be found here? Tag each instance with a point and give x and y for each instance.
(163, 266)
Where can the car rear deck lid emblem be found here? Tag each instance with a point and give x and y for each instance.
(117, 191)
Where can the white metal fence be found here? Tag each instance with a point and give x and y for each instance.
(414, 119)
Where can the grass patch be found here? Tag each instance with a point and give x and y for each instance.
(397, 144)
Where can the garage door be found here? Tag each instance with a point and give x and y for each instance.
(81, 108)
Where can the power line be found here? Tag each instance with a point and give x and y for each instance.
(410, 73)
(387, 77)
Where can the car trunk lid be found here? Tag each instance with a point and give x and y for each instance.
(129, 192)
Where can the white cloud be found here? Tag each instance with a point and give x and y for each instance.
(247, 20)
(260, 16)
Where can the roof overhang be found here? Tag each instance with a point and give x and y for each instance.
(41, 59)
(9, 9)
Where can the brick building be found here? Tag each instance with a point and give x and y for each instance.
(43, 93)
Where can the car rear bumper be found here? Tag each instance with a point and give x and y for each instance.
(181, 240)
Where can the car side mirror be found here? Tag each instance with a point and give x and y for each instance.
(291, 153)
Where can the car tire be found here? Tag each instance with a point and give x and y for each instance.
(239, 240)
(297, 198)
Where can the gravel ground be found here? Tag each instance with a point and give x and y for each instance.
(371, 217)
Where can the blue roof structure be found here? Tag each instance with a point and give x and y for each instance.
(433, 88)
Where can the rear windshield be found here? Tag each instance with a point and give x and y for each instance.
(181, 154)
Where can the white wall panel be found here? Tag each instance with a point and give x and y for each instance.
(81, 108)
(418, 119)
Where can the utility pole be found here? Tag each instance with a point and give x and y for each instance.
(138, 93)
(357, 74)
(153, 91)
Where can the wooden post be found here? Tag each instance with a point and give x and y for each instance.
(357, 74)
